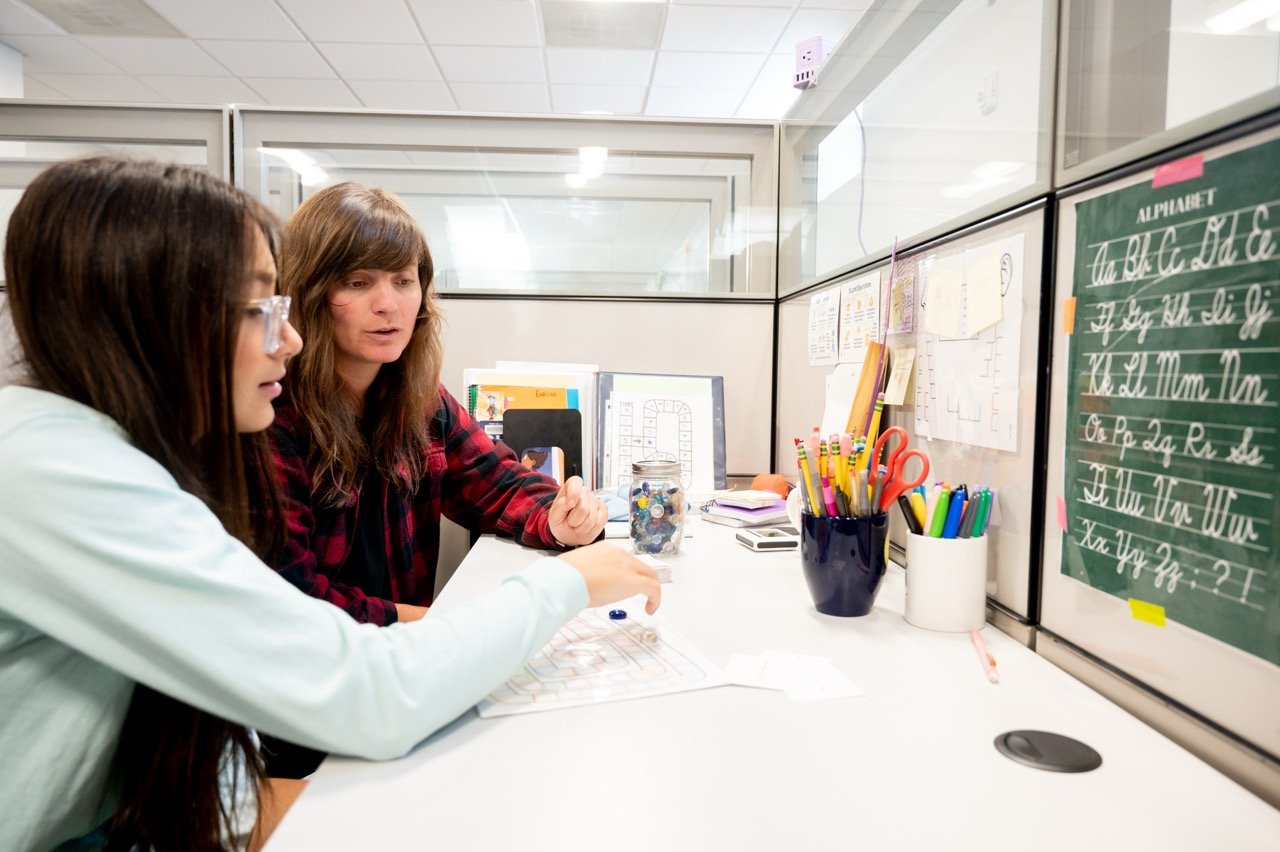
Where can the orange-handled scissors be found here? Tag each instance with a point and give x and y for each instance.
(893, 483)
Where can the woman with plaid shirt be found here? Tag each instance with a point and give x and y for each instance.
(371, 449)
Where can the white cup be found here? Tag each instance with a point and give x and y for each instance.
(946, 583)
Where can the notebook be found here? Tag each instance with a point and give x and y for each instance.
(736, 516)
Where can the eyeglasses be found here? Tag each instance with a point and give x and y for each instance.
(274, 311)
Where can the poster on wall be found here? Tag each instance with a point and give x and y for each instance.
(1172, 437)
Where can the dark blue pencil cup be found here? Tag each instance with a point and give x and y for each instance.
(844, 561)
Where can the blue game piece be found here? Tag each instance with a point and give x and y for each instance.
(617, 614)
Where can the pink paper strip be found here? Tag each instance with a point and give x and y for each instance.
(1062, 514)
(1178, 171)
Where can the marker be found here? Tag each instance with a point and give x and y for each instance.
(828, 496)
(984, 513)
(909, 514)
(916, 502)
(954, 511)
(939, 518)
(984, 657)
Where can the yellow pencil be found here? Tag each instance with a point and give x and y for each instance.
(875, 428)
(815, 505)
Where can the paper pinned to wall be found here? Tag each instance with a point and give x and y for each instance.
(942, 301)
(901, 305)
(841, 387)
(903, 361)
(984, 306)
(967, 386)
(824, 318)
(859, 317)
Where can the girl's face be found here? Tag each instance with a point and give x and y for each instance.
(256, 375)
(374, 311)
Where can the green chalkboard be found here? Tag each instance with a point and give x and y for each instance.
(1173, 404)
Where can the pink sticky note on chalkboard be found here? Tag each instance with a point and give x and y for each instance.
(1062, 514)
(1178, 171)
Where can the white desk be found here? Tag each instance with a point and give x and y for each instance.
(910, 766)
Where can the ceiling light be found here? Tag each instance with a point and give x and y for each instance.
(1242, 15)
(591, 160)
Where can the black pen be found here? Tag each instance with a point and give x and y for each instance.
(913, 523)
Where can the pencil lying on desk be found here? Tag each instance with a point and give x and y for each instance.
(984, 657)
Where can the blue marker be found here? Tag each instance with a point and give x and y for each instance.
(954, 511)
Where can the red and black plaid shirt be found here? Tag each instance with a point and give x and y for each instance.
(472, 481)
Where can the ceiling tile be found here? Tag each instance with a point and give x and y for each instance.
(693, 103)
(404, 94)
(730, 30)
(156, 55)
(502, 97)
(100, 87)
(251, 20)
(620, 100)
(201, 90)
(38, 90)
(494, 23)
(831, 24)
(783, 4)
(58, 55)
(275, 59)
(860, 5)
(381, 61)
(491, 64)
(373, 21)
(16, 19)
(593, 66)
(773, 94)
(319, 94)
(706, 70)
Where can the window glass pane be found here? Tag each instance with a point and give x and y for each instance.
(1141, 75)
(925, 116)
(545, 205)
(596, 221)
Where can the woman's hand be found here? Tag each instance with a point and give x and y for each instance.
(612, 574)
(577, 516)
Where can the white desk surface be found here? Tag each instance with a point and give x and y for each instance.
(910, 766)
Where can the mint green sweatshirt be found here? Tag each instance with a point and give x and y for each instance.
(111, 575)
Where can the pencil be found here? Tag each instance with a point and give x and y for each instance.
(984, 657)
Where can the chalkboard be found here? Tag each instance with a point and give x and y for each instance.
(1160, 551)
(1170, 479)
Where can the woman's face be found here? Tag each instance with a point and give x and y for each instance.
(256, 375)
(374, 312)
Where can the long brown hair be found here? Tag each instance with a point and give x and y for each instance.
(336, 231)
(126, 284)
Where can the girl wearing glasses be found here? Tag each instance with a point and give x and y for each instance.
(139, 503)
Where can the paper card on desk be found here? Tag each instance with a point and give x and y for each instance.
(594, 659)
(895, 390)
(802, 677)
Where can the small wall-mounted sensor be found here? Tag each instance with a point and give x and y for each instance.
(810, 54)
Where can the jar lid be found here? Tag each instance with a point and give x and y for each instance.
(654, 468)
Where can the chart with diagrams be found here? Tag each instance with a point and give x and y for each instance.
(967, 365)
(594, 658)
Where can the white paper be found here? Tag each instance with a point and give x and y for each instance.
(824, 316)
(904, 361)
(841, 386)
(967, 387)
(803, 678)
(859, 317)
(594, 659)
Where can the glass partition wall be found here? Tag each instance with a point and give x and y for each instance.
(545, 206)
(35, 135)
(929, 115)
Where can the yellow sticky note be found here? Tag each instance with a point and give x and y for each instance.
(1148, 612)
(1069, 315)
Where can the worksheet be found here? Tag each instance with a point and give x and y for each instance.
(596, 658)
